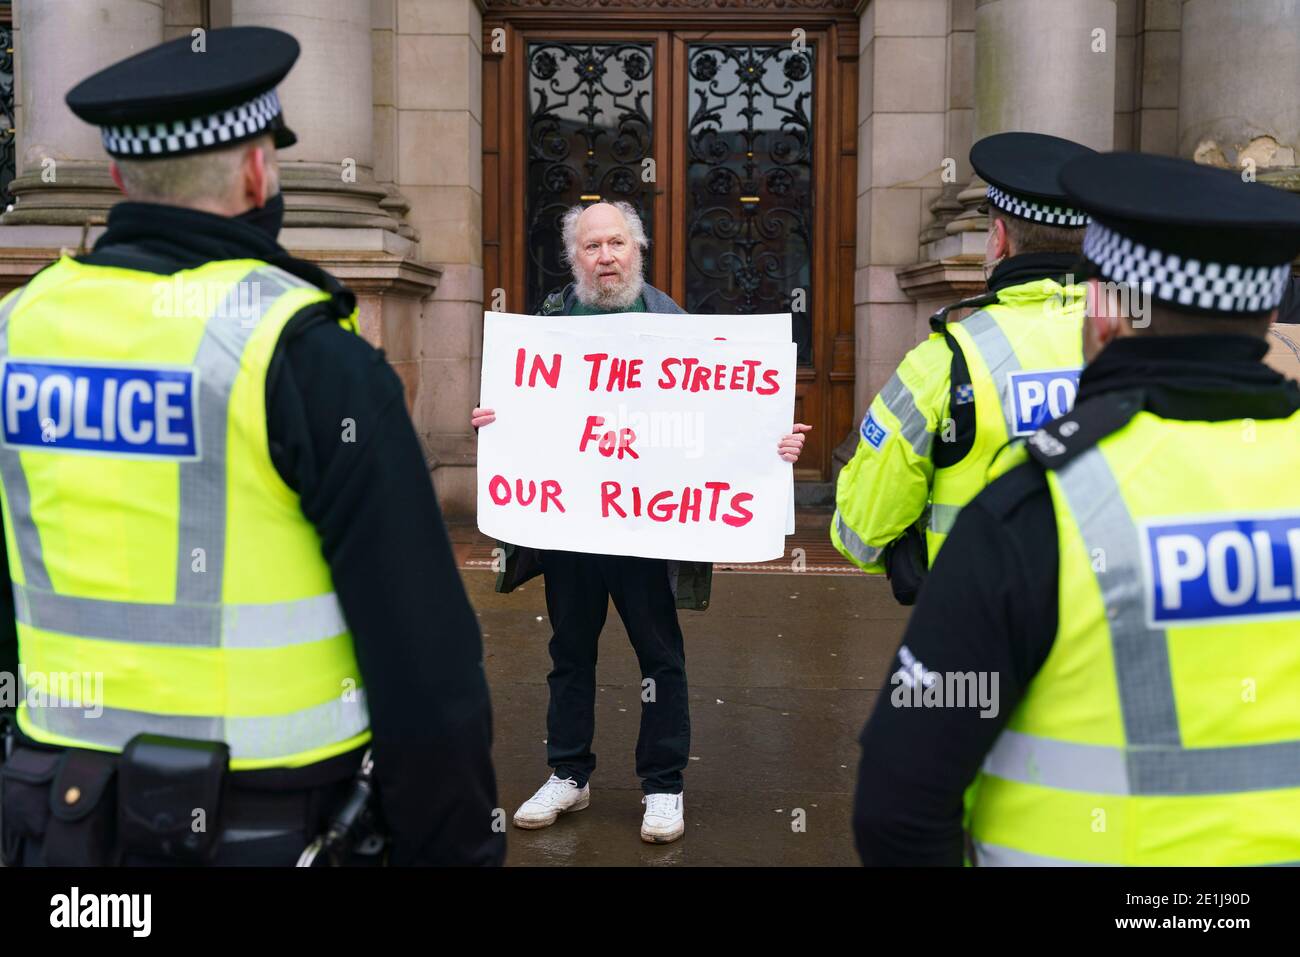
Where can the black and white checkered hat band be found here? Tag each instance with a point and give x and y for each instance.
(179, 137)
(1215, 287)
(1037, 212)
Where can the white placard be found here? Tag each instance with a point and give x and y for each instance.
(683, 463)
(774, 327)
(768, 327)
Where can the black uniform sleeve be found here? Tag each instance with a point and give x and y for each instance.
(341, 437)
(989, 606)
(8, 635)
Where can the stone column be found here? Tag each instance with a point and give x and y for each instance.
(1239, 95)
(62, 171)
(1044, 66)
(960, 120)
(434, 119)
(328, 176)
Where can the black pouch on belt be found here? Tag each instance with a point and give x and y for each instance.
(170, 793)
(83, 822)
(25, 803)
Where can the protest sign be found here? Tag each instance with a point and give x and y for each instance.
(765, 327)
(634, 444)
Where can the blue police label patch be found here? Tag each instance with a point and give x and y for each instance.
(147, 411)
(1208, 570)
(1038, 397)
(873, 433)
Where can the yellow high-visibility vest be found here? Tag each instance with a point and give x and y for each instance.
(1162, 728)
(163, 573)
(1023, 353)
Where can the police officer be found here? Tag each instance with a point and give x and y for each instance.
(1133, 586)
(222, 536)
(926, 442)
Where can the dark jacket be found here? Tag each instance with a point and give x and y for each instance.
(692, 581)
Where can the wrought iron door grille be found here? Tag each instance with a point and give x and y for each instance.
(749, 203)
(7, 124)
(590, 107)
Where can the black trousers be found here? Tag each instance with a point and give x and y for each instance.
(578, 589)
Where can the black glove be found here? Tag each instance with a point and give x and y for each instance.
(905, 565)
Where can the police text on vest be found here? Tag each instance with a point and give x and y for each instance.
(1215, 569)
(110, 410)
(873, 433)
(1038, 397)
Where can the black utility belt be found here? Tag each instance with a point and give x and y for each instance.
(161, 799)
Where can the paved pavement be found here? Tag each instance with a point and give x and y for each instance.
(783, 669)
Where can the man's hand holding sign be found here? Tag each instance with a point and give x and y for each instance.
(656, 446)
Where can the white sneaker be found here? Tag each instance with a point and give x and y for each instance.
(664, 820)
(555, 797)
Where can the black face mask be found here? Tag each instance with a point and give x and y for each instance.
(268, 217)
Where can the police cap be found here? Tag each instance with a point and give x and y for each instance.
(1021, 170)
(191, 94)
(1195, 238)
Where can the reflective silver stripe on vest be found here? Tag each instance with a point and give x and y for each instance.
(263, 737)
(994, 855)
(26, 535)
(942, 517)
(1153, 760)
(998, 354)
(912, 423)
(203, 481)
(1066, 765)
(1170, 771)
(1146, 689)
(234, 626)
(860, 550)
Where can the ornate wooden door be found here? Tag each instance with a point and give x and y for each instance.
(733, 136)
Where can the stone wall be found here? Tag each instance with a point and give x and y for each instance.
(429, 144)
(904, 122)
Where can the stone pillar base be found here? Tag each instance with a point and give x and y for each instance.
(943, 281)
(26, 250)
(67, 193)
(315, 194)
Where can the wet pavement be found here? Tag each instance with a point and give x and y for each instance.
(783, 669)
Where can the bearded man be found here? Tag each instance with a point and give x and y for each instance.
(604, 244)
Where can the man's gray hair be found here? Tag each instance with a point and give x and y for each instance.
(569, 228)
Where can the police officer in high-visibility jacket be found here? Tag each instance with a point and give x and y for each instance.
(927, 440)
(1120, 611)
(224, 547)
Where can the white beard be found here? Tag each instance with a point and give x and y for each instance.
(617, 297)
